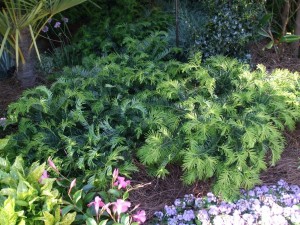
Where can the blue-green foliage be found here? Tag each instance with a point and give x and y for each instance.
(216, 119)
(218, 27)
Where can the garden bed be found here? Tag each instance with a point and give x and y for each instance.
(152, 193)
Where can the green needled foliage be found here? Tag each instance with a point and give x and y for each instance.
(216, 119)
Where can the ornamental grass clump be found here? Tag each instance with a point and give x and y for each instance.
(274, 204)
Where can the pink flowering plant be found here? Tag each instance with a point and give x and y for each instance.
(94, 207)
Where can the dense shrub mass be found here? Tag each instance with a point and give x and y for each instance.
(216, 119)
(217, 27)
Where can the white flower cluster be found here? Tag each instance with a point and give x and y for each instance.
(276, 205)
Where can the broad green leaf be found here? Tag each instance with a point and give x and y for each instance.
(8, 216)
(125, 195)
(4, 164)
(66, 209)
(289, 38)
(48, 218)
(114, 192)
(68, 219)
(25, 191)
(264, 33)
(22, 222)
(57, 214)
(265, 19)
(3, 143)
(87, 187)
(18, 164)
(77, 196)
(47, 186)
(89, 197)
(35, 172)
(270, 45)
(8, 192)
(90, 221)
(21, 203)
(125, 219)
(22, 190)
(103, 222)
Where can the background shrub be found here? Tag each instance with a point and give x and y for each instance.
(217, 27)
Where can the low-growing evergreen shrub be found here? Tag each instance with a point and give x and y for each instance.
(216, 119)
(102, 37)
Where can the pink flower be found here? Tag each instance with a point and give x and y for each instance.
(140, 216)
(73, 184)
(97, 204)
(115, 174)
(44, 176)
(106, 208)
(121, 206)
(121, 182)
(52, 165)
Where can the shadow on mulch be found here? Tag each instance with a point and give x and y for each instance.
(287, 167)
(272, 60)
(10, 91)
(153, 194)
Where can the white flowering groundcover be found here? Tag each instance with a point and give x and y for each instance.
(267, 205)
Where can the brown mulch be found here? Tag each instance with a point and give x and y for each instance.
(10, 91)
(271, 59)
(287, 167)
(153, 194)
